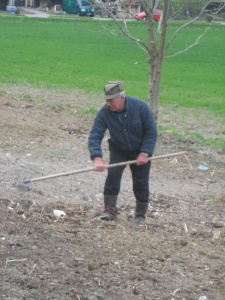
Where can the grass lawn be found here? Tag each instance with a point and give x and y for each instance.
(78, 53)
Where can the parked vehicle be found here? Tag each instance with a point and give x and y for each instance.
(156, 16)
(13, 9)
(79, 7)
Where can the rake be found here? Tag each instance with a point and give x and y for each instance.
(107, 167)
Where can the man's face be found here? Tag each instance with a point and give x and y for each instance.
(116, 104)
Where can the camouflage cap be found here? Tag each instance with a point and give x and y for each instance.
(113, 89)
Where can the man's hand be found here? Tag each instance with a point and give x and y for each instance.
(99, 164)
(142, 159)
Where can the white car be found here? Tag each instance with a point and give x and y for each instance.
(13, 9)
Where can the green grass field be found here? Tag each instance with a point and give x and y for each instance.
(77, 52)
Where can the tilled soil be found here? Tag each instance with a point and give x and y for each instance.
(178, 254)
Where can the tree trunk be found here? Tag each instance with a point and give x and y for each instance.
(156, 54)
(154, 86)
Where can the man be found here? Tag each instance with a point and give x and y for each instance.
(133, 136)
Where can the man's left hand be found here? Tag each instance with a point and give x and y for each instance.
(99, 164)
(142, 159)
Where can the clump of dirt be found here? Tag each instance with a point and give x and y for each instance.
(178, 254)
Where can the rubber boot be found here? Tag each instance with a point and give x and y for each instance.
(110, 208)
(140, 213)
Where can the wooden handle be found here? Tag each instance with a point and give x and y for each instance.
(107, 167)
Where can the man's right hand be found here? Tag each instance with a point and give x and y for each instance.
(99, 164)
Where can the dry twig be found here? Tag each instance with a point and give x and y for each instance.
(14, 260)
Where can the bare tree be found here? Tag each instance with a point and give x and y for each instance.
(156, 47)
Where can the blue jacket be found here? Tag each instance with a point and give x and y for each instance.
(137, 131)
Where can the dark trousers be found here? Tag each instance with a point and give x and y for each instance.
(140, 175)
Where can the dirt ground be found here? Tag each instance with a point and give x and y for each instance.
(178, 254)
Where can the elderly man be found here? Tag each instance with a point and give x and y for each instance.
(133, 136)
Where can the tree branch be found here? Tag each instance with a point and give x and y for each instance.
(192, 45)
(185, 25)
(164, 25)
(123, 29)
(219, 9)
(156, 4)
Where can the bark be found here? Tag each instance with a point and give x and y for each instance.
(156, 54)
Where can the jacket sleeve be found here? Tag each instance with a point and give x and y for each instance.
(96, 136)
(150, 132)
